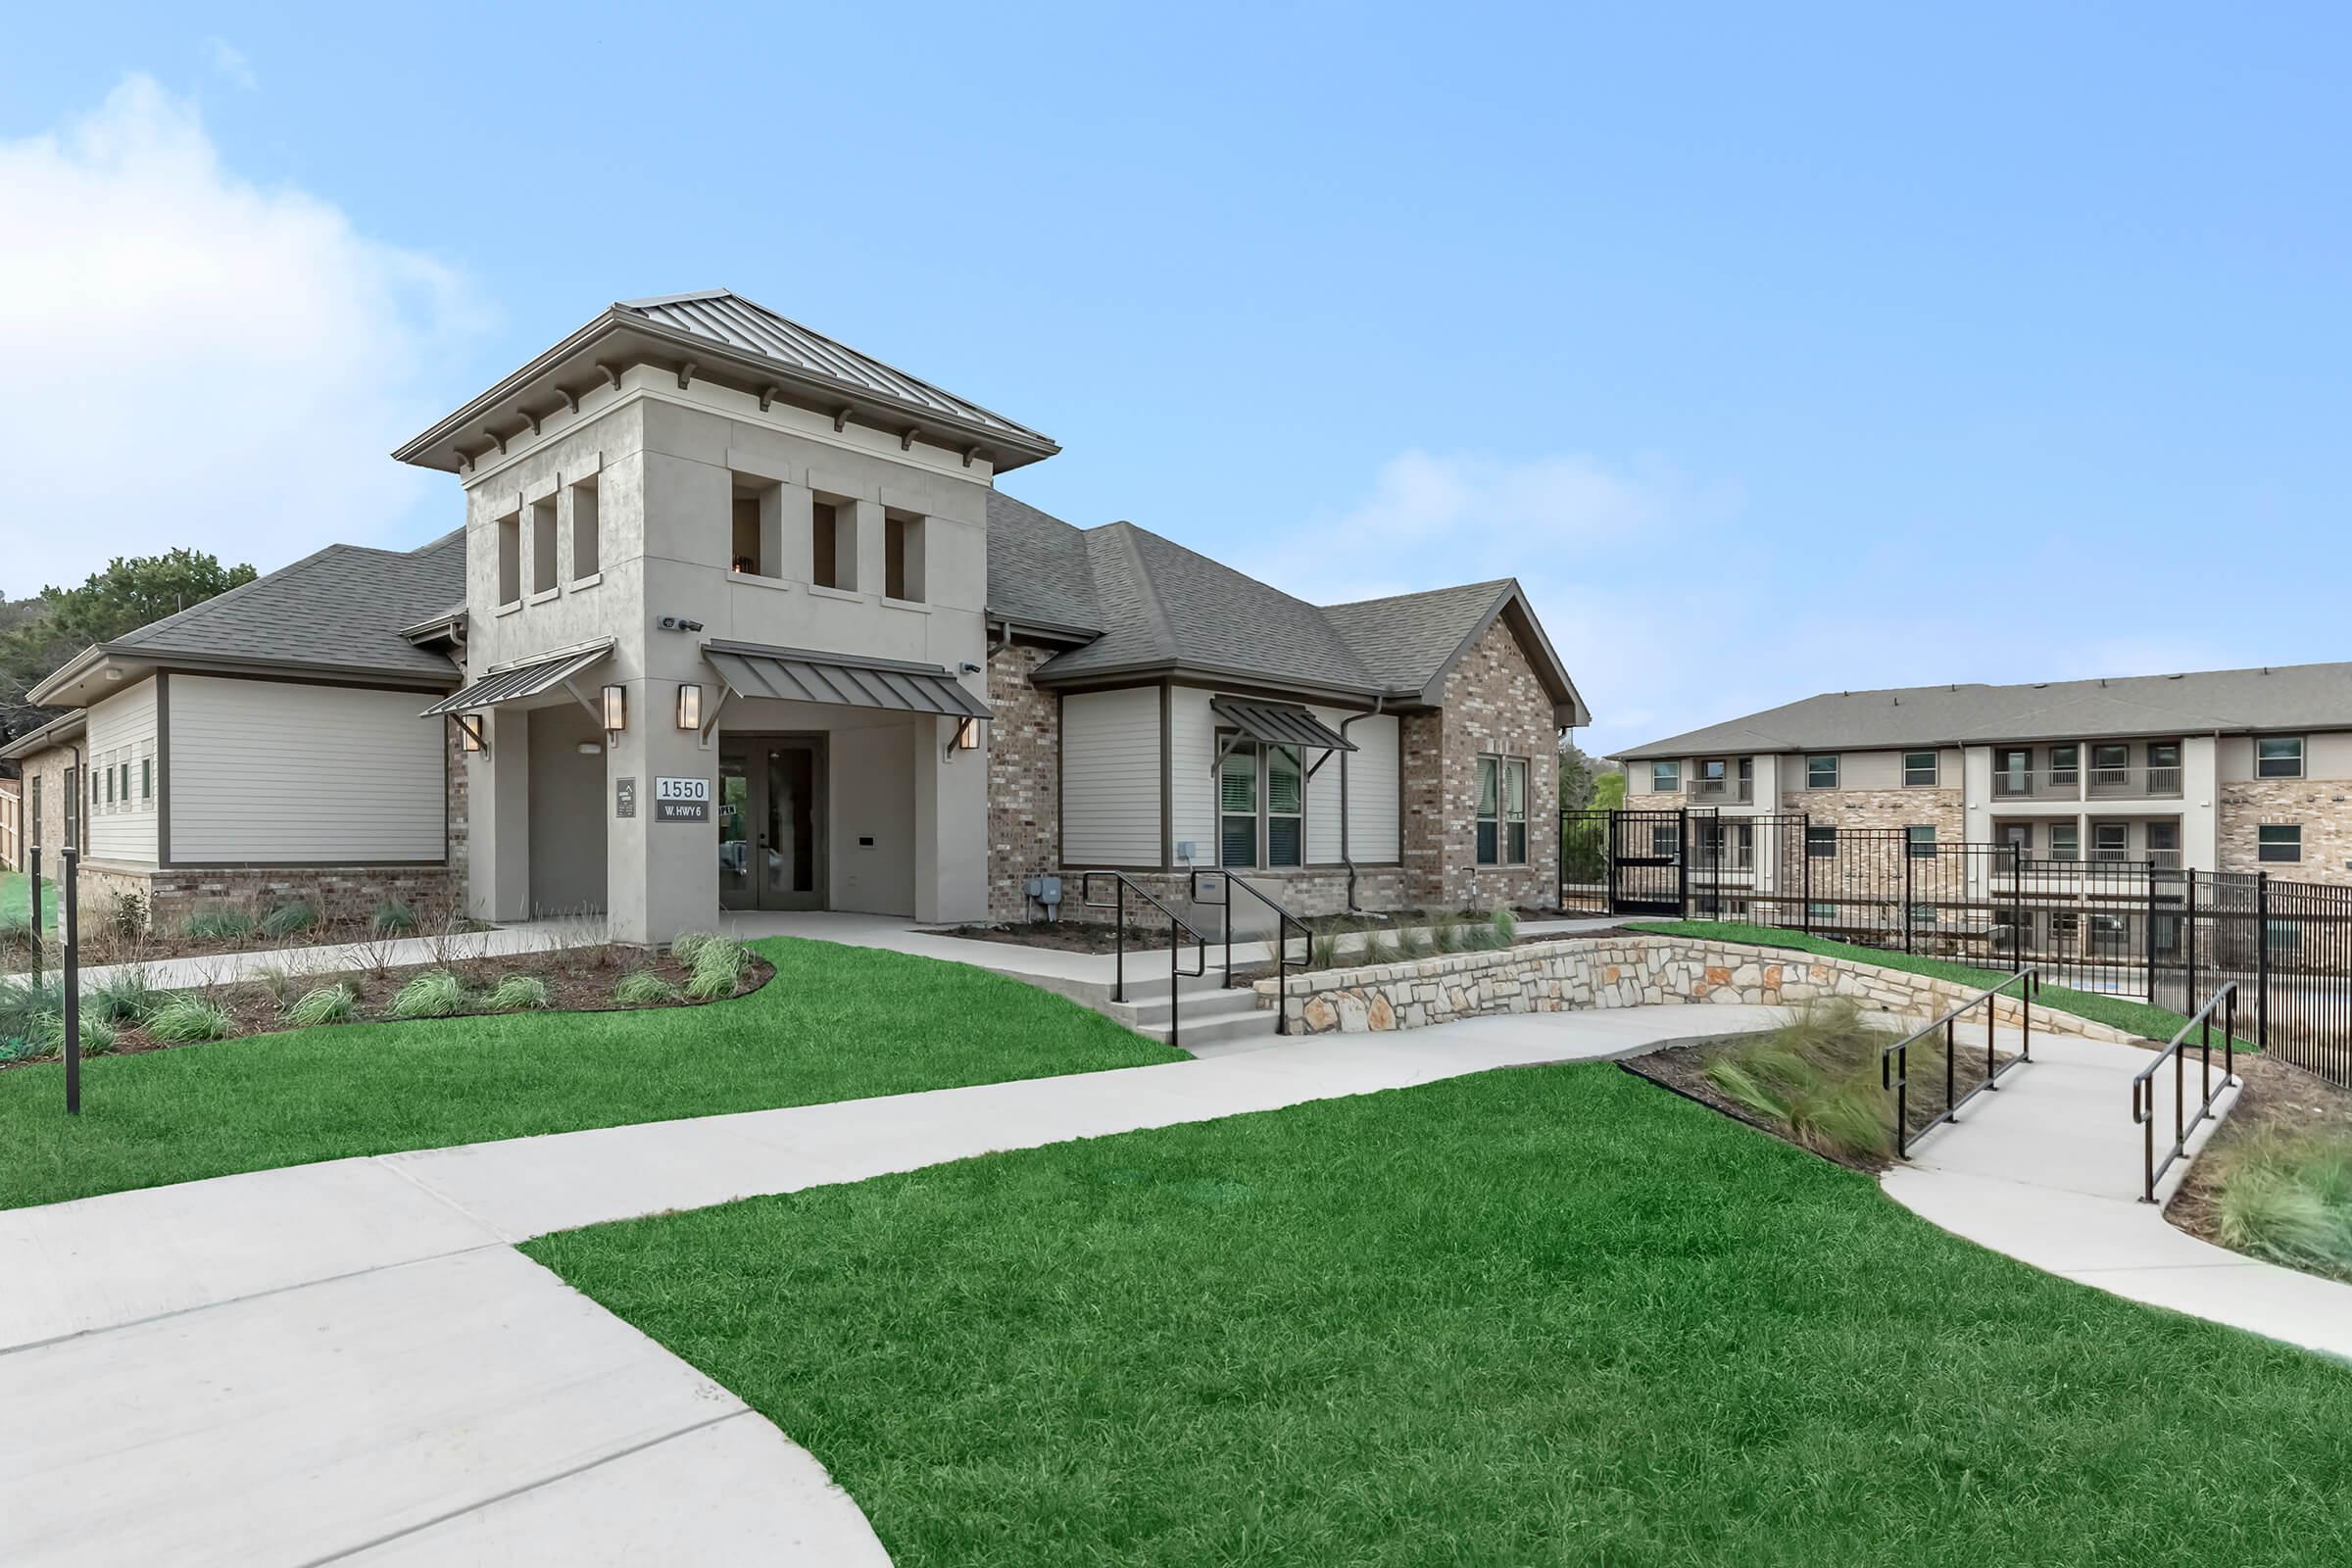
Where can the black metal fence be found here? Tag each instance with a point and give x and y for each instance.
(2125, 928)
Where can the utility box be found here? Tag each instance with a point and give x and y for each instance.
(1046, 890)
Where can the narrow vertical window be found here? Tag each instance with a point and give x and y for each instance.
(1515, 811)
(901, 557)
(1237, 807)
(543, 545)
(1286, 806)
(509, 558)
(1490, 804)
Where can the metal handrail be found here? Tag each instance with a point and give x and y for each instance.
(1894, 1063)
(2143, 1108)
(1178, 929)
(1284, 920)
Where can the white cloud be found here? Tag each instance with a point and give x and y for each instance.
(198, 360)
(230, 62)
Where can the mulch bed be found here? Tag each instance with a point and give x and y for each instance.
(2274, 1099)
(578, 979)
(1683, 1070)
(1065, 935)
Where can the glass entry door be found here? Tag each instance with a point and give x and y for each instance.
(771, 816)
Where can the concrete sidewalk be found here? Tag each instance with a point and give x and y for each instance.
(348, 1362)
(2048, 1170)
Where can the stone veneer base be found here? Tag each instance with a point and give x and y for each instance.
(1576, 974)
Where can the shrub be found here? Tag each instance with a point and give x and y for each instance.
(216, 924)
(436, 993)
(128, 996)
(185, 1021)
(644, 989)
(1504, 924)
(322, 1005)
(1445, 931)
(721, 956)
(690, 943)
(392, 918)
(2286, 1196)
(1323, 950)
(1414, 942)
(23, 1004)
(98, 1036)
(289, 919)
(1379, 947)
(516, 992)
(1818, 1075)
(126, 916)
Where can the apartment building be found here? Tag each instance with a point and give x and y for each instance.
(2217, 771)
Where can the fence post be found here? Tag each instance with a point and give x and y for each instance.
(2262, 961)
(2189, 998)
(1804, 857)
(73, 978)
(2148, 933)
(1681, 860)
(1906, 893)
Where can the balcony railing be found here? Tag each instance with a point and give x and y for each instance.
(1738, 791)
(2091, 783)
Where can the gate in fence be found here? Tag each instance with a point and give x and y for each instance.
(2125, 928)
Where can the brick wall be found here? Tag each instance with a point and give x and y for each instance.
(49, 767)
(2323, 808)
(1024, 779)
(1493, 704)
(460, 832)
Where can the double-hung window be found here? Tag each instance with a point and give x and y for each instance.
(2279, 757)
(2279, 840)
(1261, 807)
(2066, 842)
(1821, 843)
(1919, 769)
(1821, 772)
(2066, 766)
(1922, 840)
(1501, 810)
(2110, 841)
(1665, 779)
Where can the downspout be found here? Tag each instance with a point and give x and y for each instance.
(1345, 858)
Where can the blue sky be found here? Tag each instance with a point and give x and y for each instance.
(1776, 352)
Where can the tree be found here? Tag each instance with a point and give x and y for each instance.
(130, 592)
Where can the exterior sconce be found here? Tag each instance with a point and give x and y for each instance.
(470, 732)
(617, 709)
(690, 706)
(967, 738)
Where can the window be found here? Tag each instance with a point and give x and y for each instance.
(1922, 842)
(901, 557)
(509, 558)
(543, 545)
(1821, 772)
(747, 536)
(2066, 841)
(1821, 911)
(2279, 840)
(1919, 768)
(146, 778)
(587, 532)
(127, 783)
(1514, 809)
(2110, 841)
(1665, 842)
(2066, 765)
(2164, 845)
(109, 785)
(1237, 807)
(93, 786)
(2110, 765)
(1274, 776)
(1821, 843)
(2013, 771)
(1665, 779)
(2164, 754)
(1490, 810)
(2279, 757)
(833, 543)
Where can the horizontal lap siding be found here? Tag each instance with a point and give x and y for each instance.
(1192, 783)
(1372, 805)
(122, 731)
(269, 772)
(1111, 777)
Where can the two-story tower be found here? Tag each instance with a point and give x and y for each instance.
(725, 626)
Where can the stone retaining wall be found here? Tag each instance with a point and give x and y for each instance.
(1579, 974)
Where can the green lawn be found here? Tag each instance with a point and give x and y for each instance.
(2154, 1024)
(1546, 1317)
(16, 899)
(835, 1023)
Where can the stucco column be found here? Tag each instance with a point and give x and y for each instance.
(866, 570)
(951, 824)
(2200, 795)
(661, 877)
(498, 795)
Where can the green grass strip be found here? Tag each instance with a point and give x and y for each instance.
(1546, 1316)
(835, 1023)
(2120, 1012)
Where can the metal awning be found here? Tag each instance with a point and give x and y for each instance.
(520, 681)
(798, 676)
(1279, 724)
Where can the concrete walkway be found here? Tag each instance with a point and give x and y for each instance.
(348, 1362)
(2048, 1170)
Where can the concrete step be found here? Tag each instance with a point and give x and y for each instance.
(1153, 1010)
(1225, 1028)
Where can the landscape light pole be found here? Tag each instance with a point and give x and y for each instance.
(37, 913)
(72, 980)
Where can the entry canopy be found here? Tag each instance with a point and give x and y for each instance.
(1279, 724)
(798, 676)
(519, 681)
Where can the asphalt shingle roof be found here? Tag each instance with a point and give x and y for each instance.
(2283, 697)
(1156, 603)
(342, 607)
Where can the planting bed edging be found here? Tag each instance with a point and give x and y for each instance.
(1621, 971)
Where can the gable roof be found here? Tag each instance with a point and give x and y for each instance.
(1156, 606)
(343, 609)
(2204, 702)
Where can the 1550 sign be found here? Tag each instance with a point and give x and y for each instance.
(681, 800)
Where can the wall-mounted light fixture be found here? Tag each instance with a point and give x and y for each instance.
(617, 709)
(966, 738)
(469, 731)
(690, 706)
